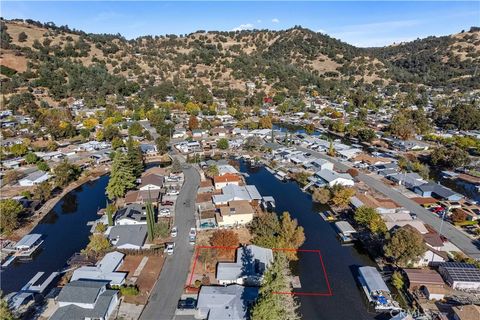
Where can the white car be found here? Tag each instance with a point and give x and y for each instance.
(193, 232)
(169, 248)
(164, 212)
(173, 233)
(173, 193)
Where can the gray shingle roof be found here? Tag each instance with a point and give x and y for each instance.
(81, 291)
(129, 234)
(230, 302)
(73, 312)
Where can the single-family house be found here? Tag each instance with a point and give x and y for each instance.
(232, 302)
(143, 196)
(331, 178)
(131, 214)
(85, 299)
(437, 190)
(238, 212)
(127, 236)
(179, 133)
(104, 270)
(34, 179)
(460, 276)
(348, 154)
(152, 182)
(252, 261)
(322, 164)
(233, 192)
(409, 179)
(226, 179)
(428, 282)
(219, 132)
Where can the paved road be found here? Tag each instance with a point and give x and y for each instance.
(169, 287)
(458, 238)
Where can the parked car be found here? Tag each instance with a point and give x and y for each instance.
(173, 233)
(188, 303)
(191, 239)
(167, 203)
(193, 232)
(164, 212)
(173, 193)
(169, 248)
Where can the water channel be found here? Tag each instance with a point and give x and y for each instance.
(65, 232)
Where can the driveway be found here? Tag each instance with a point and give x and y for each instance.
(169, 287)
(458, 238)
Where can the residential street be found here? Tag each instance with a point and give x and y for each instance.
(169, 287)
(455, 236)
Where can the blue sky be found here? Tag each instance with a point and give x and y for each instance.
(371, 23)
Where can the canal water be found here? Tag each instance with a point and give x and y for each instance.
(65, 232)
(341, 262)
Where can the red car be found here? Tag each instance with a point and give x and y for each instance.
(438, 209)
(167, 203)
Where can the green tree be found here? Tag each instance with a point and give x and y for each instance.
(19, 149)
(273, 306)
(176, 166)
(121, 177)
(10, 210)
(135, 129)
(397, 280)
(135, 157)
(31, 158)
(150, 220)
(43, 191)
(43, 166)
(110, 211)
(98, 245)
(405, 246)
(370, 218)
(65, 173)
(449, 157)
(212, 171)
(5, 312)
(331, 150)
(321, 195)
(22, 37)
(341, 196)
(222, 144)
(162, 144)
(271, 232)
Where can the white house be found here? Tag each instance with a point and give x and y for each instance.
(34, 178)
(236, 213)
(331, 178)
(104, 270)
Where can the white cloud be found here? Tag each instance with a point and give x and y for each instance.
(259, 21)
(275, 20)
(245, 26)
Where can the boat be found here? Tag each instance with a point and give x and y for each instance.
(27, 246)
(268, 203)
(280, 175)
(345, 232)
(376, 290)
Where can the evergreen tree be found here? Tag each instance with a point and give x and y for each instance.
(150, 219)
(121, 178)
(272, 306)
(135, 157)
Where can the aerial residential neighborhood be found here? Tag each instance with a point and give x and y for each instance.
(240, 160)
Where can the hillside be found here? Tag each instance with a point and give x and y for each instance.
(69, 62)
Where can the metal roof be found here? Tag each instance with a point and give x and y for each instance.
(373, 279)
(28, 241)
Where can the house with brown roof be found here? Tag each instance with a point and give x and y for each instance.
(142, 196)
(426, 282)
(151, 182)
(237, 212)
(226, 179)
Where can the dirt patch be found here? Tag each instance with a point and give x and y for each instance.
(244, 236)
(10, 60)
